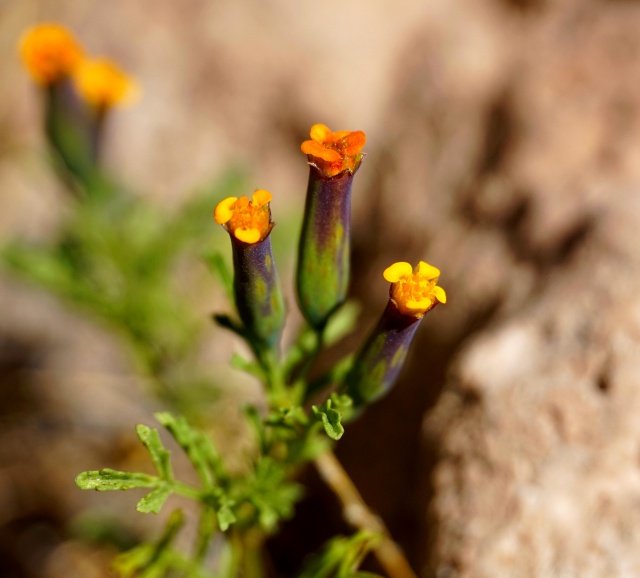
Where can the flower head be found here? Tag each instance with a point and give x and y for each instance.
(256, 288)
(323, 269)
(334, 152)
(49, 52)
(247, 220)
(103, 84)
(379, 361)
(414, 290)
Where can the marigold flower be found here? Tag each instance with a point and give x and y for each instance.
(101, 83)
(49, 52)
(414, 290)
(323, 253)
(378, 363)
(334, 152)
(247, 220)
(255, 283)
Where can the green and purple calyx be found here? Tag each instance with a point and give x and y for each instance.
(413, 292)
(324, 250)
(256, 288)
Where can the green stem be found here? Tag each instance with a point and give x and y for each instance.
(252, 562)
(187, 491)
(235, 544)
(357, 514)
(278, 392)
(174, 523)
(206, 529)
(313, 354)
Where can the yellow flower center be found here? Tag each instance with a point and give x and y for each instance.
(49, 52)
(103, 84)
(247, 220)
(414, 290)
(334, 152)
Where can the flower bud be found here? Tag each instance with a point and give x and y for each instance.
(324, 250)
(257, 292)
(412, 294)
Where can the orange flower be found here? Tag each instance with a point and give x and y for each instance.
(49, 52)
(414, 290)
(334, 152)
(101, 83)
(247, 220)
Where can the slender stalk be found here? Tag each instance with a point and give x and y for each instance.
(206, 528)
(186, 490)
(236, 555)
(356, 513)
(276, 389)
(317, 348)
(299, 370)
(252, 562)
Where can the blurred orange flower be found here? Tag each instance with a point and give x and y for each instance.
(101, 83)
(49, 52)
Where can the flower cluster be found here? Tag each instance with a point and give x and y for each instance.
(52, 55)
(322, 274)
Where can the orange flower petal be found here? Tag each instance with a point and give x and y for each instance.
(247, 235)
(339, 135)
(440, 294)
(310, 147)
(428, 271)
(353, 143)
(320, 133)
(224, 210)
(397, 271)
(420, 305)
(261, 197)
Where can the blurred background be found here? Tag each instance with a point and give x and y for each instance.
(503, 147)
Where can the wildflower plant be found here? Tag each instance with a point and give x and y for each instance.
(114, 259)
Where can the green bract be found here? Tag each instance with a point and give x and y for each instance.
(257, 291)
(381, 357)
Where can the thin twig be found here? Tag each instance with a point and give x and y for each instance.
(357, 514)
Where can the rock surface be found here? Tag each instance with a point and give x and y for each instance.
(536, 437)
